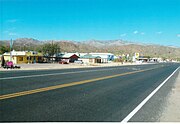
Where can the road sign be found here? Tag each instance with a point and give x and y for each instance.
(136, 55)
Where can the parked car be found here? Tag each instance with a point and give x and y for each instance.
(63, 62)
(78, 61)
(10, 65)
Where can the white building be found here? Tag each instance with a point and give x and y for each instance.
(105, 57)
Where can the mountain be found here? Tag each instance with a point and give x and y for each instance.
(27, 41)
(100, 44)
(113, 46)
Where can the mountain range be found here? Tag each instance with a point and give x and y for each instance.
(117, 47)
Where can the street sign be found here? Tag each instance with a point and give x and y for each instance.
(136, 55)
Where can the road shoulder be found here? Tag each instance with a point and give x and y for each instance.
(171, 111)
(164, 105)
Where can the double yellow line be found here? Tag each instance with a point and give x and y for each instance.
(7, 96)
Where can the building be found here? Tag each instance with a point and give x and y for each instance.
(19, 57)
(69, 57)
(105, 57)
(88, 58)
(156, 59)
(143, 58)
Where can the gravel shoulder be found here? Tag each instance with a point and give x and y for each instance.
(172, 110)
(164, 106)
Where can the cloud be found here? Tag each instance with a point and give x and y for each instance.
(10, 31)
(12, 34)
(178, 35)
(135, 32)
(12, 20)
(123, 35)
(159, 32)
(142, 33)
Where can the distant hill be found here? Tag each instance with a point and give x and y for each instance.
(25, 41)
(106, 43)
(113, 46)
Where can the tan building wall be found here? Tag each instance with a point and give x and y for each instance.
(16, 59)
(84, 60)
(89, 60)
(21, 59)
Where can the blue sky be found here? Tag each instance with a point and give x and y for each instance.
(146, 21)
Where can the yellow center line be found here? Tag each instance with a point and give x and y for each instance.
(7, 96)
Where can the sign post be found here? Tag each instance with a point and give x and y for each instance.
(11, 44)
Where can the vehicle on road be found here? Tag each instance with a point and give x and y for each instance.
(78, 62)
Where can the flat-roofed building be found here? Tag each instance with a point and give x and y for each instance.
(19, 57)
(105, 57)
(88, 58)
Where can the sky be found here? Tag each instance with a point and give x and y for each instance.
(146, 21)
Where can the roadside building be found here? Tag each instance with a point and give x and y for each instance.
(156, 59)
(143, 58)
(69, 57)
(19, 57)
(88, 58)
(105, 57)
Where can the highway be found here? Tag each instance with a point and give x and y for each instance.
(85, 94)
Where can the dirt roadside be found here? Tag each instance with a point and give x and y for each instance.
(172, 110)
(46, 66)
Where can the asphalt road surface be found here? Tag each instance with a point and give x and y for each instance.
(86, 94)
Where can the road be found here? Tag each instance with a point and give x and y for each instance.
(86, 94)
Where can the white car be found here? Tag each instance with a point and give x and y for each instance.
(78, 61)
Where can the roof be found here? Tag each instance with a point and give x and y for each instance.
(101, 53)
(82, 54)
(15, 53)
(33, 53)
(89, 56)
(23, 53)
(102, 56)
(68, 55)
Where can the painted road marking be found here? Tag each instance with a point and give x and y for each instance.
(6, 96)
(131, 114)
(52, 74)
(62, 73)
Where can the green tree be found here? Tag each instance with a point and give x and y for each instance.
(50, 49)
(4, 49)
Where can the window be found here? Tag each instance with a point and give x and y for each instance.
(20, 58)
(28, 58)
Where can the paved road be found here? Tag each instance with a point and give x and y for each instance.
(86, 94)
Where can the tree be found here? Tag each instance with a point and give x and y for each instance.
(4, 49)
(50, 49)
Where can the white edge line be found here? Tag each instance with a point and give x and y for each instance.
(54, 74)
(130, 115)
